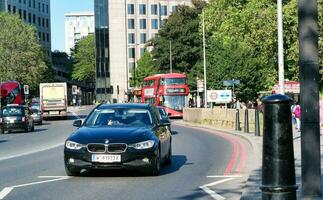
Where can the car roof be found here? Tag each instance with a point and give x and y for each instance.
(125, 105)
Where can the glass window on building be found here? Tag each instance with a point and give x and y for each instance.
(24, 1)
(19, 1)
(163, 10)
(163, 22)
(34, 18)
(47, 23)
(154, 24)
(131, 23)
(131, 67)
(29, 17)
(14, 9)
(174, 8)
(143, 38)
(131, 9)
(131, 38)
(47, 9)
(43, 7)
(154, 10)
(34, 3)
(25, 15)
(39, 35)
(19, 11)
(29, 3)
(142, 51)
(142, 9)
(143, 24)
(131, 52)
(9, 7)
(47, 38)
(44, 37)
(39, 6)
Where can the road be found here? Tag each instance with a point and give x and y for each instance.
(206, 165)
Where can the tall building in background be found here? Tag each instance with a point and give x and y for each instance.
(35, 12)
(77, 26)
(123, 28)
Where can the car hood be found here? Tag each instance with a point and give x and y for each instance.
(128, 135)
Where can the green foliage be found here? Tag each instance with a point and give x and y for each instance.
(145, 68)
(182, 29)
(21, 56)
(84, 59)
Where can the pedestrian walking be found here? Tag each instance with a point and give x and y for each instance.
(297, 113)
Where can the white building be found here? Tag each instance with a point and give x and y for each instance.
(77, 26)
(130, 24)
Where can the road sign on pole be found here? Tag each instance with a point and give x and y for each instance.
(219, 96)
(26, 89)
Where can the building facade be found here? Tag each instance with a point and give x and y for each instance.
(129, 24)
(34, 12)
(77, 26)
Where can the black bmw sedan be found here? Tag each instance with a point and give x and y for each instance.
(117, 136)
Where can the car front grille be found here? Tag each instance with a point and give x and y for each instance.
(110, 148)
(117, 148)
(96, 148)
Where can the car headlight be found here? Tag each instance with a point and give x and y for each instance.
(73, 145)
(143, 145)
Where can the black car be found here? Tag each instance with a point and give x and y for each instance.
(16, 117)
(117, 136)
(164, 116)
(37, 116)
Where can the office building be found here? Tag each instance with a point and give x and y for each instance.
(77, 26)
(123, 28)
(35, 12)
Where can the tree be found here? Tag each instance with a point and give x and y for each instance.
(145, 68)
(83, 55)
(21, 56)
(182, 29)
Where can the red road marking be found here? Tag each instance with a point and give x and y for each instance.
(236, 143)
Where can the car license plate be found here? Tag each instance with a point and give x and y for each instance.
(106, 158)
(53, 112)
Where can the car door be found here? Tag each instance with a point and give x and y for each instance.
(161, 133)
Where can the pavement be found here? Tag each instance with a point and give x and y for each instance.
(251, 188)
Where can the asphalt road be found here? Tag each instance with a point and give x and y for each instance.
(205, 166)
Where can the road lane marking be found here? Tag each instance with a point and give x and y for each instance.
(7, 190)
(52, 176)
(212, 193)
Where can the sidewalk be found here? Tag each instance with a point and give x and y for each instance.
(251, 191)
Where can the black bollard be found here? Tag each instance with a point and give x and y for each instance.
(257, 125)
(237, 120)
(246, 121)
(278, 169)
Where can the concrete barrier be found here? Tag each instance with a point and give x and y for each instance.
(220, 117)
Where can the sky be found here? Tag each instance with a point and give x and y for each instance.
(58, 9)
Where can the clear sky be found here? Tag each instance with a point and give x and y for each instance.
(58, 9)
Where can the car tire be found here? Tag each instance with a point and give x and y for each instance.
(72, 171)
(168, 160)
(155, 165)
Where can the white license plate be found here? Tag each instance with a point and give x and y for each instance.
(53, 112)
(106, 158)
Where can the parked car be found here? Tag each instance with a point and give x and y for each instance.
(119, 136)
(37, 116)
(164, 116)
(16, 117)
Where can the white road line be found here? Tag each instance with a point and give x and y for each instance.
(213, 194)
(7, 190)
(31, 152)
(52, 176)
(227, 176)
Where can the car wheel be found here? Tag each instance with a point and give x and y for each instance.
(72, 171)
(155, 165)
(168, 160)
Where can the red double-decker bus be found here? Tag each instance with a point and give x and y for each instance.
(167, 90)
(10, 93)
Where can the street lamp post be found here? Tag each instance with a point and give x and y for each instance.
(204, 60)
(170, 56)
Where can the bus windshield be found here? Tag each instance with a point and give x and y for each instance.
(173, 81)
(175, 102)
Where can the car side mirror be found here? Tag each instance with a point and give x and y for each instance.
(77, 123)
(164, 122)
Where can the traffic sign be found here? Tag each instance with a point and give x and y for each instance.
(26, 89)
(231, 82)
(219, 96)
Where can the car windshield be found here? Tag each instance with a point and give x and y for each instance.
(12, 111)
(162, 112)
(119, 117)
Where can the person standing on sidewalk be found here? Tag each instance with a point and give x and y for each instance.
(297, 114)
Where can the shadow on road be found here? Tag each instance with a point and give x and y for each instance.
(40, 130)
(197, 194)
(3, 141)
(177, 162)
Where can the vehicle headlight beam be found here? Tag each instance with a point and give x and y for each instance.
(143, 145)
(73, 145)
